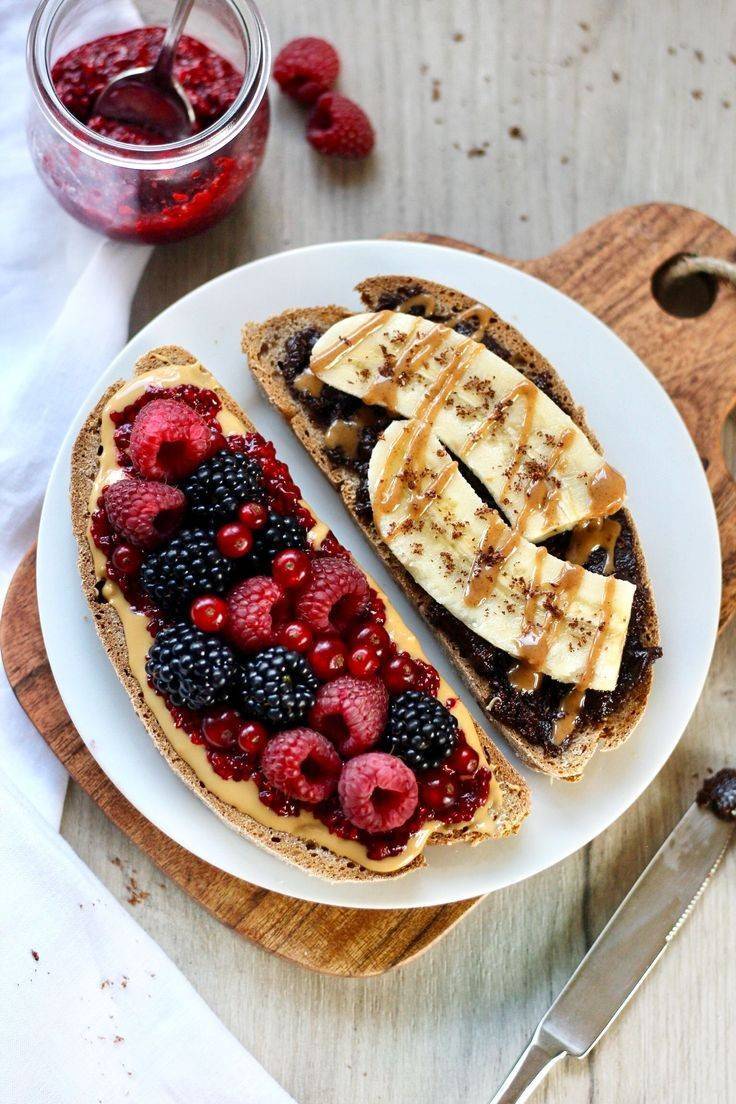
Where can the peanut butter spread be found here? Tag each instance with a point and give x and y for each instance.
(243, 795)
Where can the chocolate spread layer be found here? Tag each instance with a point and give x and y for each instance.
(531, 714)
(718, 793)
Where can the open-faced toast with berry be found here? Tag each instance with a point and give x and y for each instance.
(273, 677)
(465, 460)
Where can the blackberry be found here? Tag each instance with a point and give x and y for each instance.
(189, 565)
(278, 687)
(279, 533)
(420, 730)
(219, 485)
(195, 670)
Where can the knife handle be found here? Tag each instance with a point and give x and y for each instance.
(531, 1067)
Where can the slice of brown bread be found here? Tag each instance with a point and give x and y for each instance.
(309, 856)
(609, 719)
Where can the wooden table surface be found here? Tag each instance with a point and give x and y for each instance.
(511, 124)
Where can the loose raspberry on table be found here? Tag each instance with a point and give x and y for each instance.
(339, 128)
(305, 68)
(251, 604)
(337, 587)
(303, 764)
(377, 791)
(144, 513)
(169, 440)
(352, 712)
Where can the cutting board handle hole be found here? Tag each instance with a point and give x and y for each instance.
(686, 296)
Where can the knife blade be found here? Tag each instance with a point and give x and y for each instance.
(633, 940)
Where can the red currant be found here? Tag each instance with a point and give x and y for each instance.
(252, 737)
(253, 515)
(327, 658)
(126, 559)
(234, 540)
(464, 760)
(295, 635)
(363, 661)
(221, 730)
(437, 789)
(291, 568)
(375, 636)
(399, 674)
(209, 613)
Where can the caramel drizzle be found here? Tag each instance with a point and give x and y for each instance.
(482, 314)
(574, 699)
(309, 384)
(428, 303)
(420, 503)
(330, 356)
(424, 299)
(412, 442)
(524, 677)
(607, 491)
(416, 352)
(496, 545)
(587, 538)
(528, 392)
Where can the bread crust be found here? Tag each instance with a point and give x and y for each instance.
(262, 343)
(308, 856)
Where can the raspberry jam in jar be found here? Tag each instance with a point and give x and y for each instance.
(124, 180)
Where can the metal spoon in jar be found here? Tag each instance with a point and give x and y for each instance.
(150, 96)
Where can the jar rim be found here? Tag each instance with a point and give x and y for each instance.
(168, 154)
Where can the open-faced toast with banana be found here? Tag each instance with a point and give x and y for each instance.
(464, 458)
(273, 677)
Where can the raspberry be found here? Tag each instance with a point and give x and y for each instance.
(377, 792)
(335, 582)
(169, 440)
(302, 764)
(352, 712)
(250, 604)
(339, 128)
(145, 514)
(305, 68)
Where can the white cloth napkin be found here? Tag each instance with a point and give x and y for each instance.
(102, 1014)
(65, 303)
(93, 1009)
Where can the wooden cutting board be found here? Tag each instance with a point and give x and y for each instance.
(609, 269)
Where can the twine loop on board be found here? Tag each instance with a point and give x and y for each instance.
(691, 265)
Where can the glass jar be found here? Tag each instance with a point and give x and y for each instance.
(148, 193)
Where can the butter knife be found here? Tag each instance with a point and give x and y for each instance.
(635, 937)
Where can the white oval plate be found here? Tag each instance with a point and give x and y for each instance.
(642, 434)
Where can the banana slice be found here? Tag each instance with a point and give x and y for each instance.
(540, 468)
(562, 620)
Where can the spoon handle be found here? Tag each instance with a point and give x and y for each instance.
(164, 63)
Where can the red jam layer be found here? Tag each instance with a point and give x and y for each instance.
(470, 791)
(156, 204)
(210, 82)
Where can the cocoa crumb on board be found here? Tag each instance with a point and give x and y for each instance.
(436, 89)
(699, 55)
(516, 132)
(35, 955)
(615, 76)
(458, 36)
(476, 151)
(697, 93)
(584, 26)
